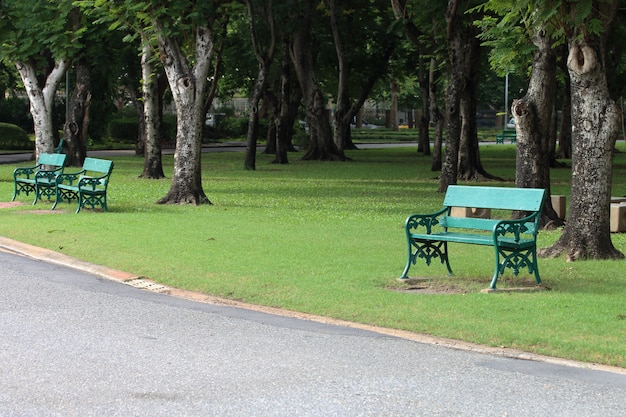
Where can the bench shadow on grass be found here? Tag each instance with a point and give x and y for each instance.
(450, 285)
(13, 204)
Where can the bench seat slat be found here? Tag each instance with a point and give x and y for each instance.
(524, 199)
(455, 237)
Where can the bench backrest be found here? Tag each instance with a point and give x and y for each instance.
(100, 166)
(52, 159)
(505, 198)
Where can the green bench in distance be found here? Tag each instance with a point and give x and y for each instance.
(89, 185)
(39, 179)
(515, 241)
(506, 134)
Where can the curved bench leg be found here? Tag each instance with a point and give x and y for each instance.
(496, 273)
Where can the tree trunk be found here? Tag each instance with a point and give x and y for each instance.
(253, 120)
(534, 121)
(288, 107)
(343, 114)
(152, 162)
(77, 123)
(264, 56)
(187, 85)
(456, 46)
(42, 101)
(321, 146)
(595, 128)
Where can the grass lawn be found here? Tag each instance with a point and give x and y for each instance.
(327, 238)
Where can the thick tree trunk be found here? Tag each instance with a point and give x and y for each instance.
(152, 162)
(253, 120)
(187, 85)
(42, 101)
(342, 134)
(288, 107)
(456, 46)
(461, 99)
(77, 123)
(595, 128)
(321, 146)
(264, 55)
(534, 123)
(470, 166)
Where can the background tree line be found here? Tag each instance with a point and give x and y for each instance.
(310, 56)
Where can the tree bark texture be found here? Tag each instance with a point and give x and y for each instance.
(187, 85)
(594, 130)
(321, 146)
(41, 100)
(152, 162)
(264, 55)
(456, 46)
(77, 123)
(534, 124)
(287, 107)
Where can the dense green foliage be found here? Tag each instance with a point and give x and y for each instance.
(13, 137)
(328, 239)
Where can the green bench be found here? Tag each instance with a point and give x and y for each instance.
(89, 185)
(39, 179)
(515, 241)
(506, 134)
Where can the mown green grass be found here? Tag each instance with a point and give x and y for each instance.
(327, 238)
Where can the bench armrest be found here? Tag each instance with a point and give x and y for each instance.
(423, 220)
(69, 178)
(92, 182)
(25, 172)
(527, 225)
(49, 174)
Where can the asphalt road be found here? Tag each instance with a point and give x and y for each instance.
(77, 344)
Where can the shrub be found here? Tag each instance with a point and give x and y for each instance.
(124, 129)
(13, 137)
(233, 126)
(16, 111)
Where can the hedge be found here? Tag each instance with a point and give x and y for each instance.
(13, 137)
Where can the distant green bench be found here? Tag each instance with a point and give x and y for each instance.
(59, 148)
(510, 134)
(39, 179)
(89, 185)
(515, 241)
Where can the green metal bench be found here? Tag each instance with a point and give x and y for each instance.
(506, 134)
(515, 241)
(39, 179)
(89, 185)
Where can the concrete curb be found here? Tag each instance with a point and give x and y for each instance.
(47, 255)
